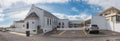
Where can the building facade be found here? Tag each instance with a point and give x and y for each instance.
(112, 16)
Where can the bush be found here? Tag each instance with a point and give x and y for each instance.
(12, 27)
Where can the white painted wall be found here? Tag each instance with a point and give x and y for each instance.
(101, 22)
(19, 27)
(106, 25)
(111, 25)
(32, 26)
(65, 21)
(117, 27)
(23, 30)
(49, 26)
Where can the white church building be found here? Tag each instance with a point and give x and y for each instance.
(41, 21)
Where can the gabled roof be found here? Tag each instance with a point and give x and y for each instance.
(33, 14)
(33, 6)
(111, 8)
(48, 13)
(20, 21)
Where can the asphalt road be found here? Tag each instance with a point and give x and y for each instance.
(6, 36)
(2, 38)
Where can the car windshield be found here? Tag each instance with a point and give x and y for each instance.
(94, 25)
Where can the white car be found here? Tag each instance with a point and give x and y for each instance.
(93, 29)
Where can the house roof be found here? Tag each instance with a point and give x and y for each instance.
(48, 13)
(33, 14)
(20, 21)
(111, 8)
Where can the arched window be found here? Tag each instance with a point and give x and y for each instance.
(59, 23)
(47, 21)
(27, 25)
(50, 21)
(23, 25)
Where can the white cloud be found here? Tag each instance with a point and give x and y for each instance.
(1, 10)
(4, 26)
(89, 17)
(105, 3)
(74, 9)
(77, 0)
(45, 8)
(45, 1)
(82, 16)
(12, 4)
(1, 17)
(9, 3)
(18, 15)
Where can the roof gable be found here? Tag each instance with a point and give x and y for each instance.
(33, 14)
(109, 9)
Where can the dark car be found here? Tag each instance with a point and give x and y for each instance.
(94, 29)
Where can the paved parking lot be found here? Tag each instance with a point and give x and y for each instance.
(80, 33)
(74, 36)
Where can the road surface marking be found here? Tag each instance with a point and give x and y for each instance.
(22, 34)
(62, 32)
(84, 31)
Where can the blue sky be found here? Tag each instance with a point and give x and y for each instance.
(13, 10)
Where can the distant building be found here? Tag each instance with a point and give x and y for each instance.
(4, 28)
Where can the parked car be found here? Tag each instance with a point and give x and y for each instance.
(4, 30)
(94, 29)
(87, 27)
